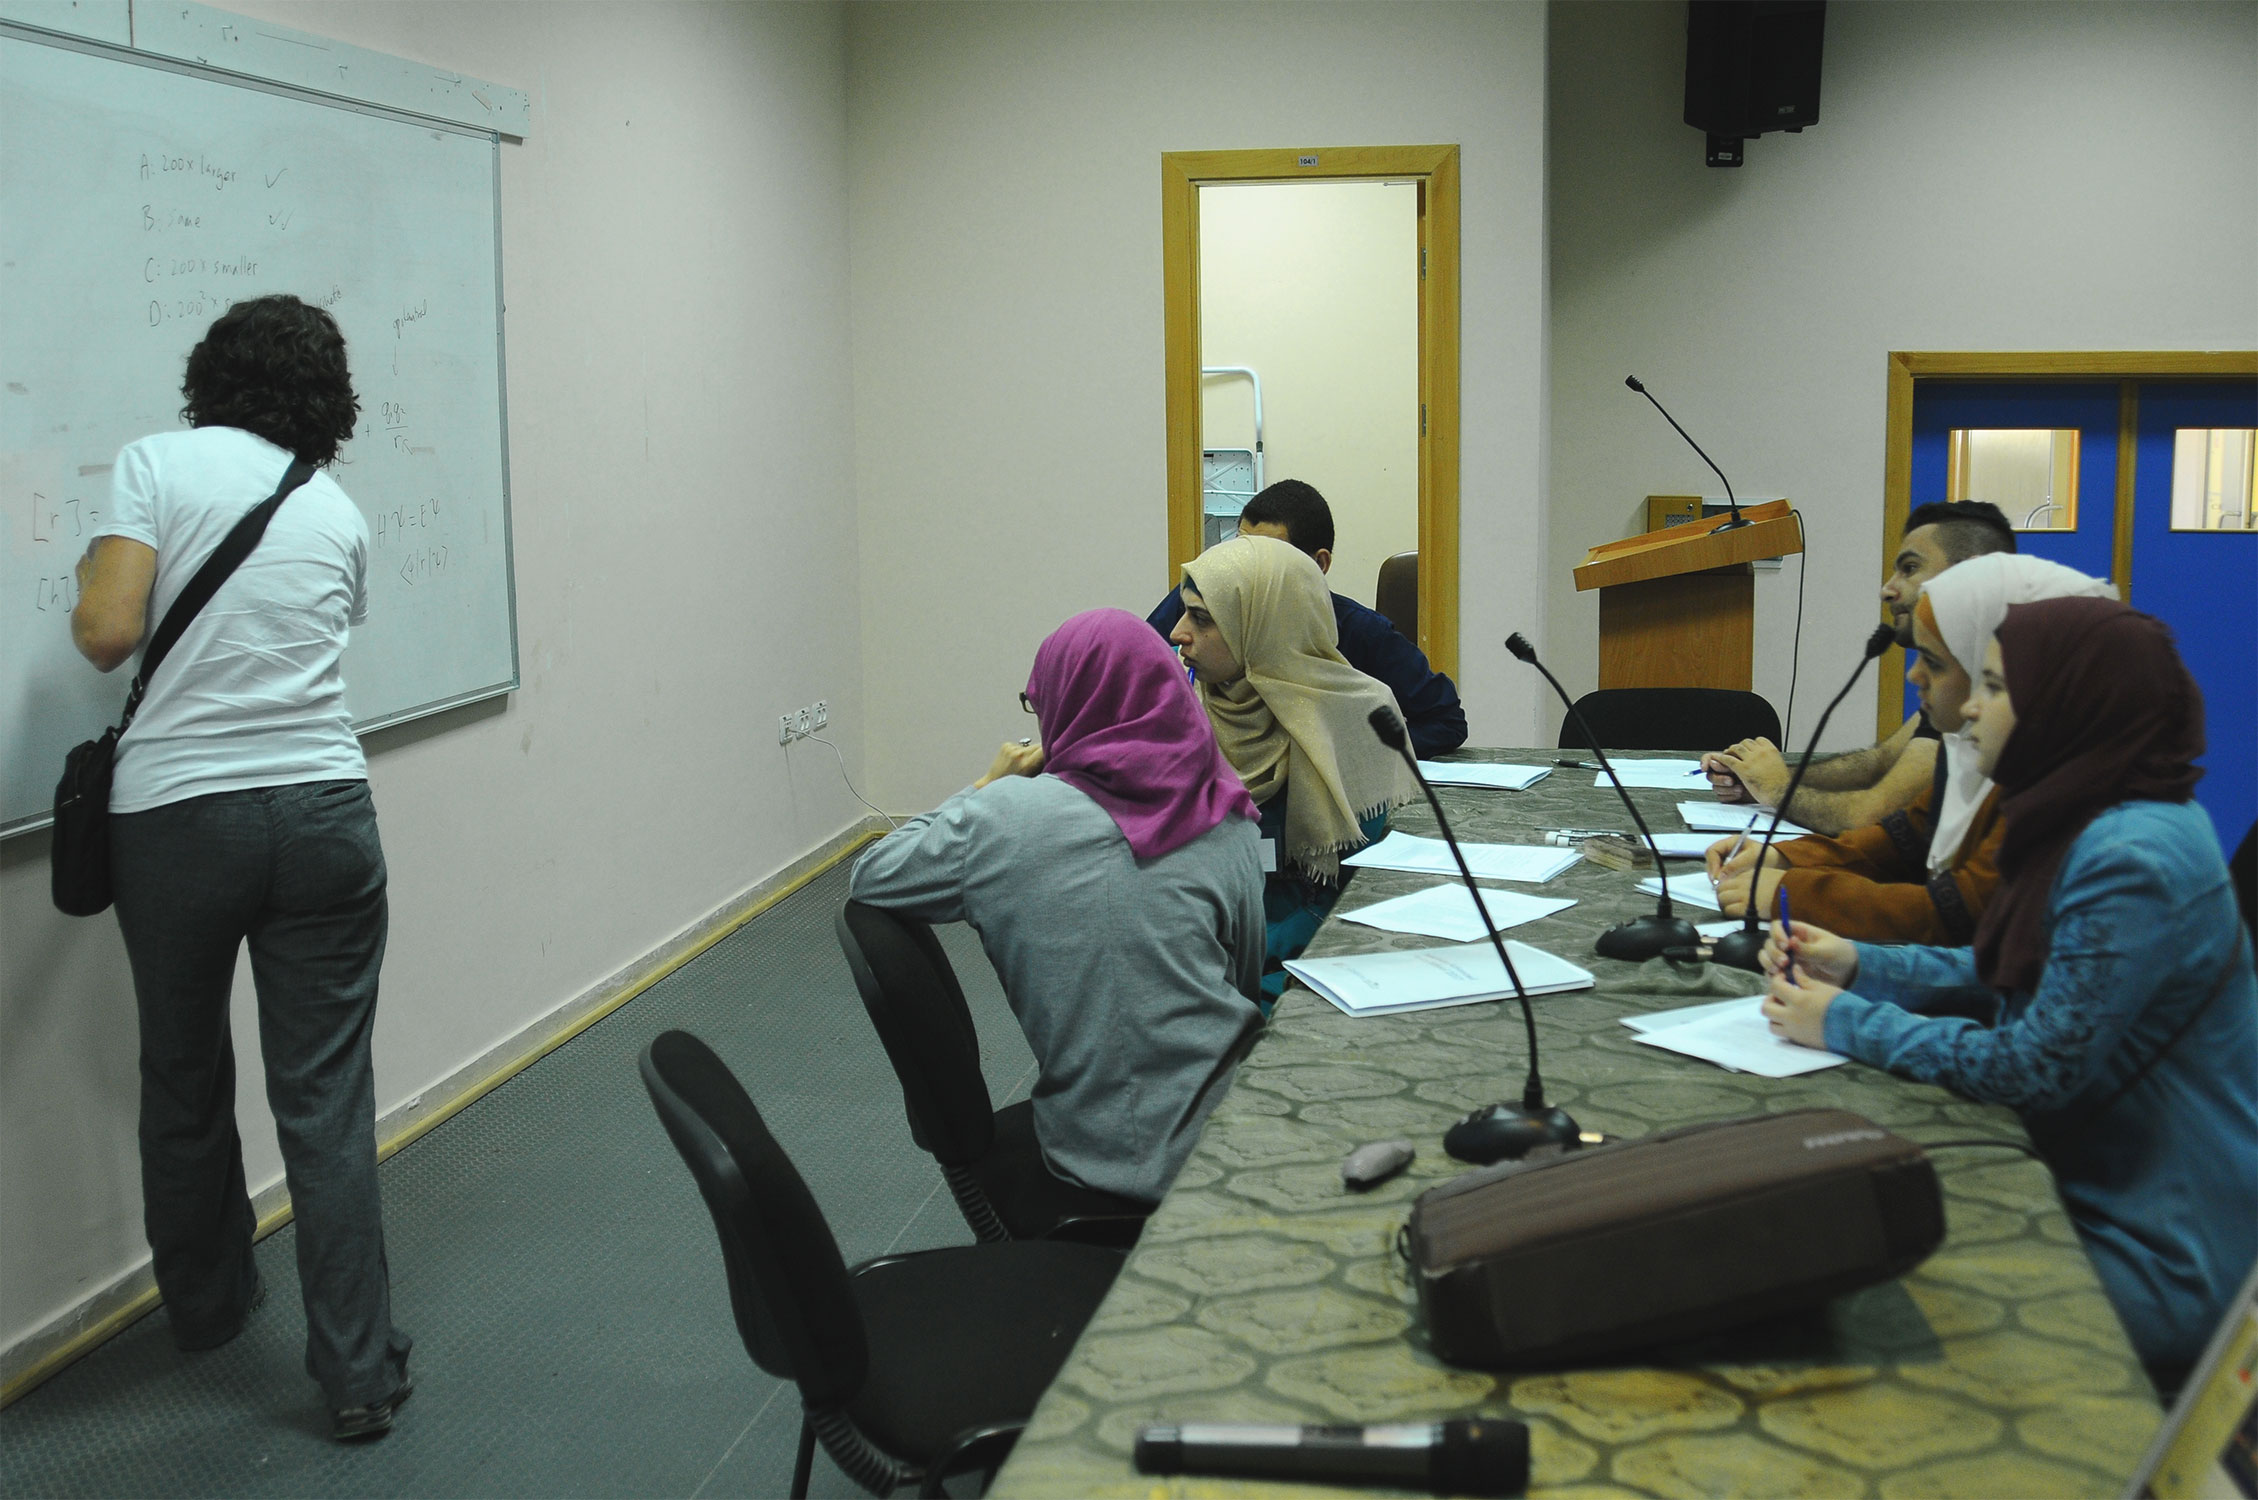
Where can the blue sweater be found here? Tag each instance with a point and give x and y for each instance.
(1429, 700)
(2163, 1187)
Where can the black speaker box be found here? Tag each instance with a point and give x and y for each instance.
(1752, 66)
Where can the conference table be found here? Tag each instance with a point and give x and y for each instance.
(1264, 1291)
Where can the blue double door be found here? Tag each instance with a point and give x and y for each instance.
(2203, 584)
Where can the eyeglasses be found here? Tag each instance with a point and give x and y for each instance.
(1026, 703)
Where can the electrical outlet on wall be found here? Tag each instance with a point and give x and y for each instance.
(802, 722)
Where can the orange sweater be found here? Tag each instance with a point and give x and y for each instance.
(1874, 883)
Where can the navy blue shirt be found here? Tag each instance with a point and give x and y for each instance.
(1429, 700)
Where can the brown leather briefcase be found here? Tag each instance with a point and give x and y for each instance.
(1679, 1234)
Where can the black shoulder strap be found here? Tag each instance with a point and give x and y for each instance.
(231, 551)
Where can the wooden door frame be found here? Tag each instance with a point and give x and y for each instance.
(1435, 170)
(2127, 367)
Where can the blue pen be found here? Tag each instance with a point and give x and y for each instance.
(1787, 932)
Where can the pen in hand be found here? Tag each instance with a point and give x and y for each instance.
(1787, 933)
(1726, 863)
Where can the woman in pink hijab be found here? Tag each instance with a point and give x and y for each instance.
(1110, 866)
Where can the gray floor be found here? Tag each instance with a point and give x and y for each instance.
(560, 1276)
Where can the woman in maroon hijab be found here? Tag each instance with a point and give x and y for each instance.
(2127, 1032)
(1111, 870)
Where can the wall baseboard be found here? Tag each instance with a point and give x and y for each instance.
(39, 1355)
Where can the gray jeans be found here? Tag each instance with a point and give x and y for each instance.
(297, 873)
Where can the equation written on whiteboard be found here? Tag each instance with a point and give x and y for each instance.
(62, 525)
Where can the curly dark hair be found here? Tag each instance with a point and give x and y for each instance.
(274, 366)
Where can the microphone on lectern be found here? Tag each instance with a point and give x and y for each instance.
(1643, 938)
(1495, 1131)
(1738, 519)
(1740, 950)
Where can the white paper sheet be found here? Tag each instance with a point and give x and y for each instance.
(1407, 851)
(1735, 1036)
(1684, 845)
(1663, 1020)
(1483, 774)
(1667, 775)
(1692, 889)
(1446, 911)
(1376, 984)
(1732, 817)
(1719, 929)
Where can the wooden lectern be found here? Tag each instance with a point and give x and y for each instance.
(1677, 607)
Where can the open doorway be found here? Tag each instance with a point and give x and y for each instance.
(1312, 333)
(1309, 359)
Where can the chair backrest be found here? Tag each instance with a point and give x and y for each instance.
(787, 1283)
(2244, 868)
(1670, 719)
(918, 1008)
(1397, 594)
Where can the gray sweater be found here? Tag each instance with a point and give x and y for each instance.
(1133, 979)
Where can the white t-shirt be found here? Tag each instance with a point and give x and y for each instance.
(250, 695)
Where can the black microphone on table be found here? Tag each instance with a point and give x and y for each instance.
(1740, 950)
(1738, 519)
(1495, 1131)
(1467, 1456)
(1643, 937)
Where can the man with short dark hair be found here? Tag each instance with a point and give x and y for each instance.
(1293, 511)
(1862, 787)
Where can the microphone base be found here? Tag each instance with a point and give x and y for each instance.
(1637, 941)
(1735, 524)
(1508, 1132)
(1739, 950)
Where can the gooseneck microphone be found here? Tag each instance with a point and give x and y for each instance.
(1466, 1456)
(1644, 937)
(1741, 950)
(1500, 1130)
(1738, 519)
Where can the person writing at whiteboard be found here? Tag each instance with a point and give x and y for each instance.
(240, 811)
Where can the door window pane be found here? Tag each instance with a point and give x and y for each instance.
(2031, 473)
(2212, 487)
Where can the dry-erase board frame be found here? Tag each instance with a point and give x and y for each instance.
(392, 219)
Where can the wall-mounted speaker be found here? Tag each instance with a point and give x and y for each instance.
(1752, 67)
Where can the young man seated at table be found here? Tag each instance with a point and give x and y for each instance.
(1922, 874)
(1852, 790)
(1294, 512)
(1294, 720)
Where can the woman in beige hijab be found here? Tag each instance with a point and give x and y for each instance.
(1293, 718)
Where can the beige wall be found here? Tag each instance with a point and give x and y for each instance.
(1316, 287)
(674, 242)
(1996, 176)
(1005, 208)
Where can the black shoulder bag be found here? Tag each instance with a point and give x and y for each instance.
(81, 850)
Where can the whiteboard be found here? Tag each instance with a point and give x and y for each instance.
(139, 197)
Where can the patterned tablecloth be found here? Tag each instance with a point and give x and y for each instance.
(1262, 1291)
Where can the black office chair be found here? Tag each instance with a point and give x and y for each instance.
(2244, 868)
(1670, 719)
(910, 1367)
(989, 1157)
(1397, 595)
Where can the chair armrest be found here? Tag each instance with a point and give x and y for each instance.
(1109, 1231)
(973, 1448)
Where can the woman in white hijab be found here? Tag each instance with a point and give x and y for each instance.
(1923, 874)
(1293, 718)
(1963, 606)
